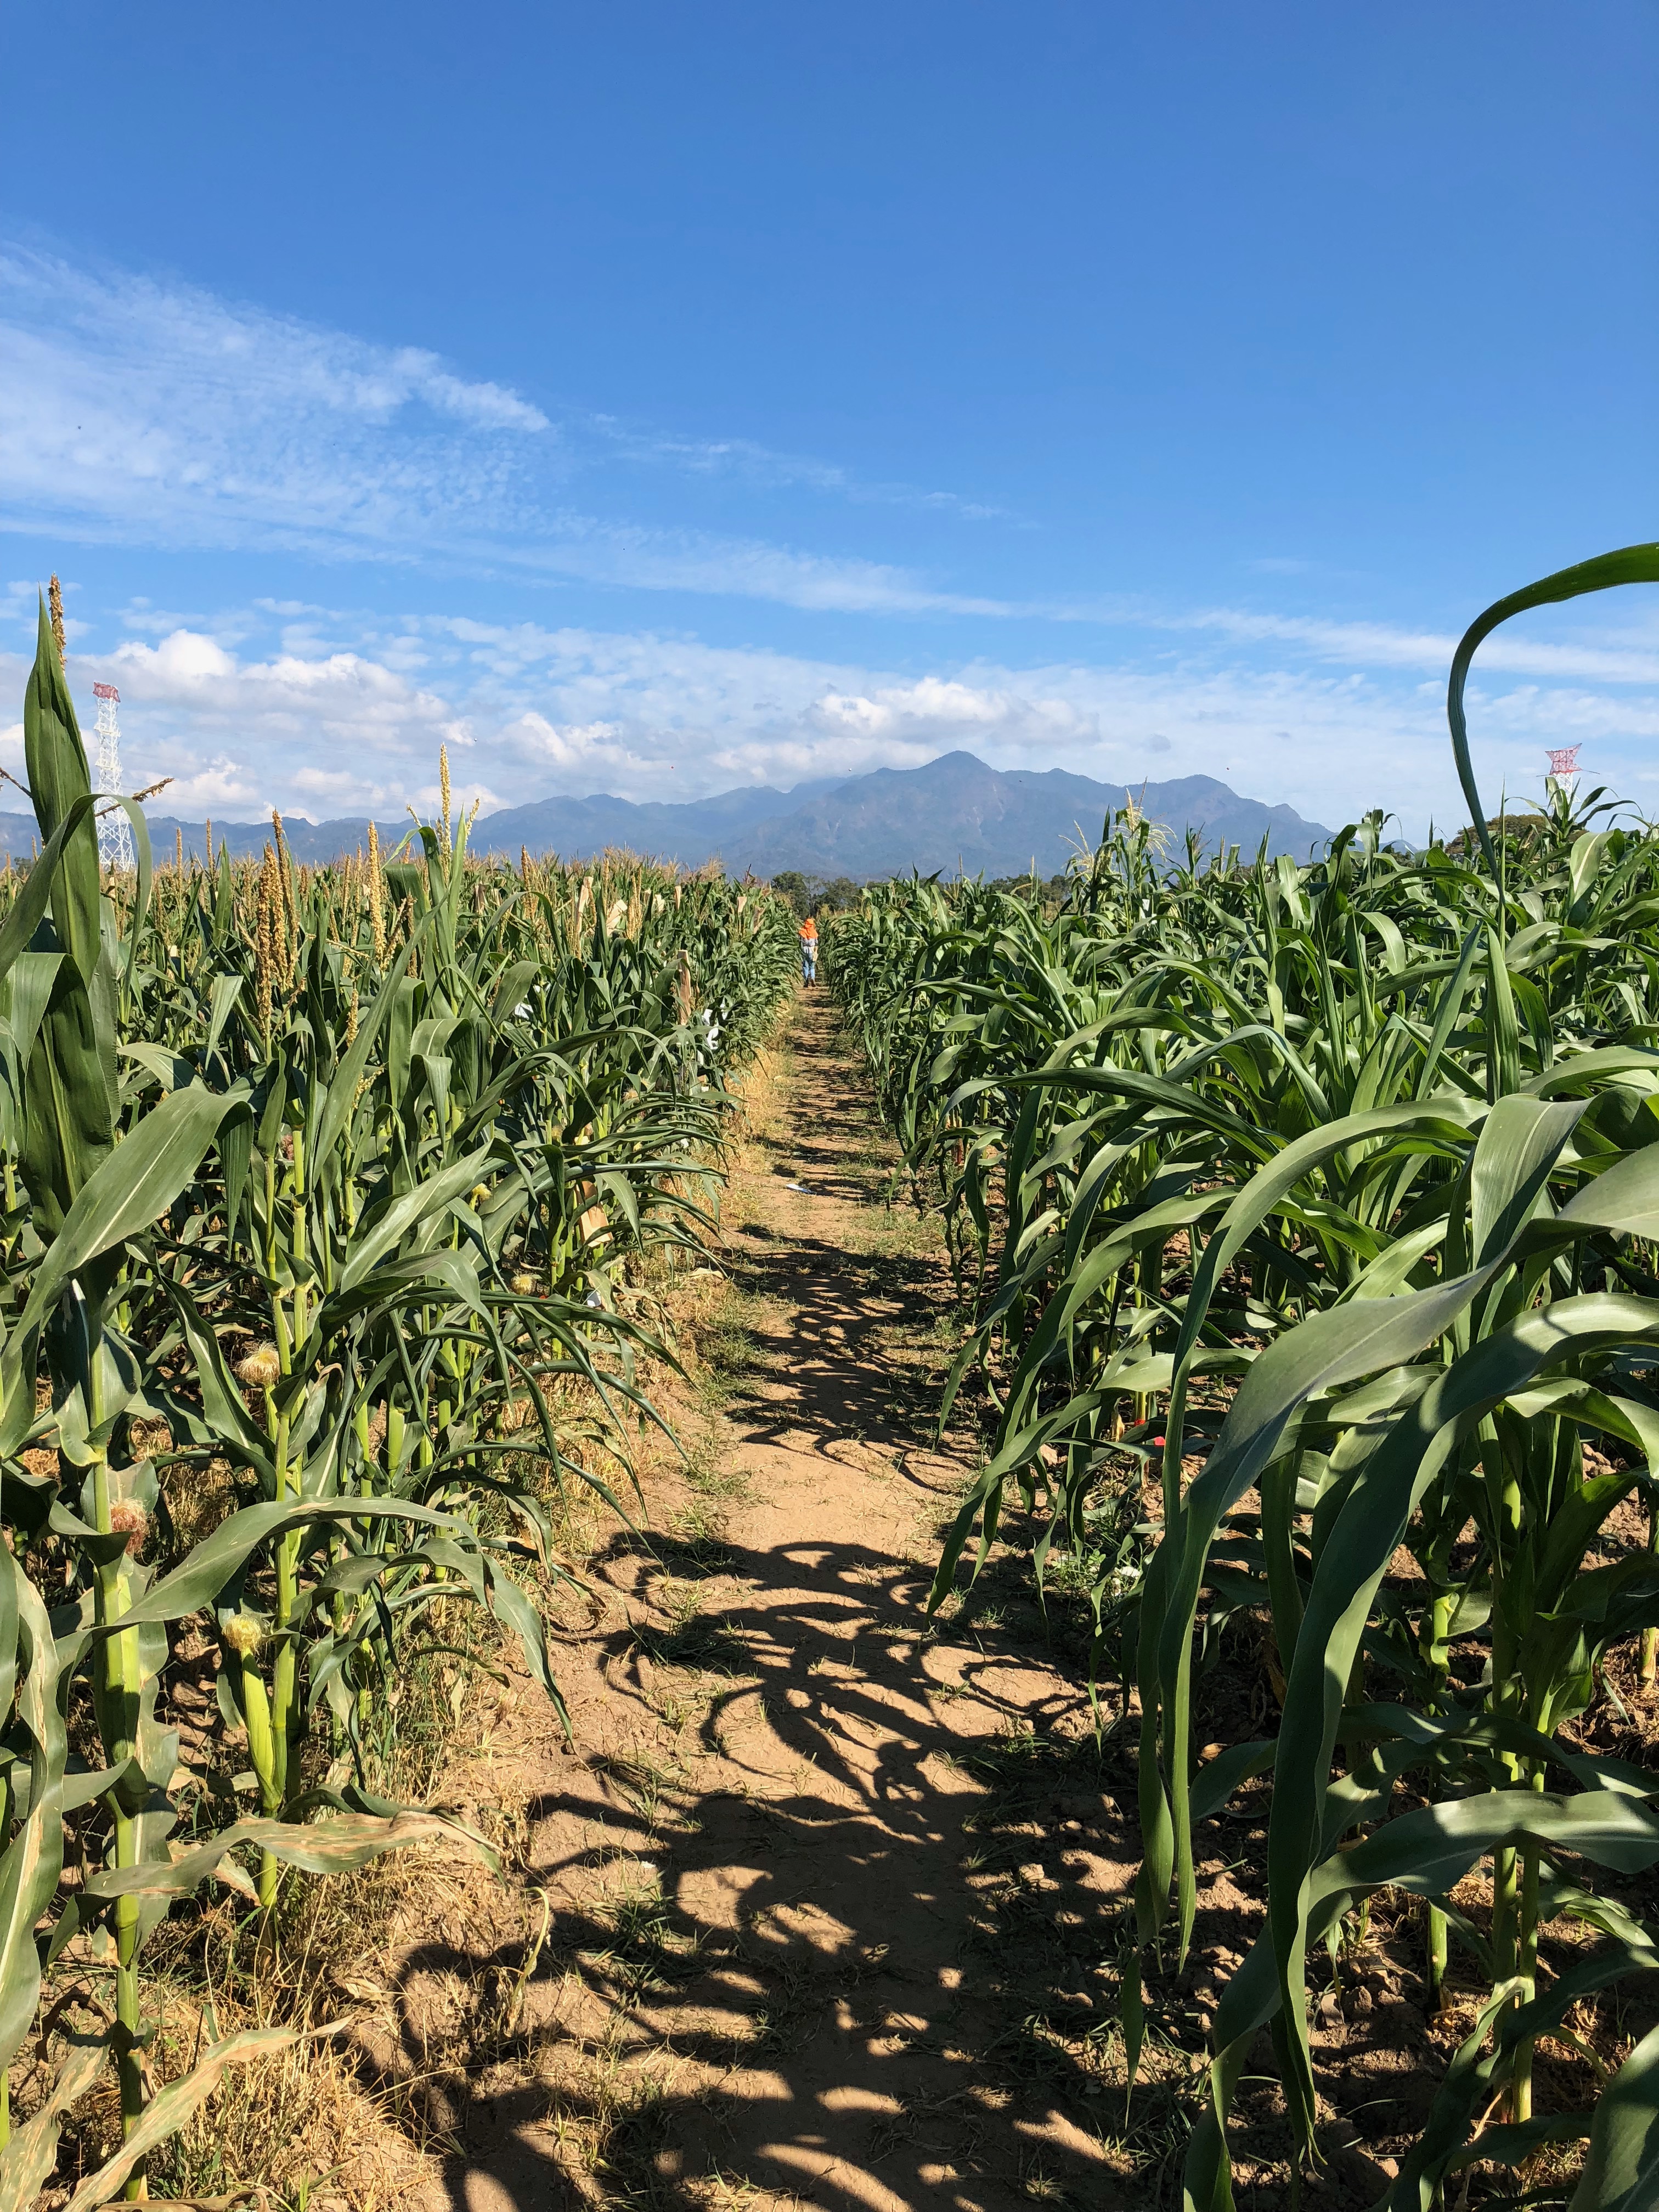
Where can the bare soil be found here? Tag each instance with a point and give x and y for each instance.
(824, 1900)
(827, 1883)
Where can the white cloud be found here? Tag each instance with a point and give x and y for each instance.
(690, 561)
(135, 411)
(341, 733)
(129, 403)
(918, 710)
(760, 465)
(351, 722)
(158, 415)
(1382, 645)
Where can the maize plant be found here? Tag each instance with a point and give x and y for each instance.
(339, 1183)
(1323, 1199)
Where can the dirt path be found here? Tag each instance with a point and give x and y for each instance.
(829, 1885)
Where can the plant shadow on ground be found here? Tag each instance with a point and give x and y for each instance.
(893, 1983)
(837, 1886)
(899, 1983)
(836, 1892)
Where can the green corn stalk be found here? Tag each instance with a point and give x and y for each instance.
(234, 1111)
(1342, 1176)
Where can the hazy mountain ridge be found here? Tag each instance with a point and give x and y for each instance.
(688, 830)
(952, 812)
(956, 812)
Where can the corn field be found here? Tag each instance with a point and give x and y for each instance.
(327, 1195)
(1306, 1217)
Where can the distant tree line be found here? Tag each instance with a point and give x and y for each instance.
(836, 894)
(1028, 886)
(814, 894)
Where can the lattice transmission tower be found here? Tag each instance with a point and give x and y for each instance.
(114, 831)
(1564, 765)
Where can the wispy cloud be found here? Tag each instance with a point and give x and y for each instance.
(688, 561)
(1623, 652)
(1381, 645)
(136, 411)
(156, 415)
(762, 466)
(139, 411)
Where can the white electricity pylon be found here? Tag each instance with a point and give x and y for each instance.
(114, 832)
(1564, 765)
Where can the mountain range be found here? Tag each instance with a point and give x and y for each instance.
(954, 813)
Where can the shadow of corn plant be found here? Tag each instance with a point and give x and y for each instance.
(1320, 1200)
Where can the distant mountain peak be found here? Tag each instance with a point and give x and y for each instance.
(954, 810)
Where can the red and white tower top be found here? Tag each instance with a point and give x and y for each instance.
(105, 691)
(1564, 762)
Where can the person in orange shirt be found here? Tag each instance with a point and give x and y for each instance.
(809, 950)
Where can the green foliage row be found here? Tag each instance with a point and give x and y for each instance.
(815, 894)
(335, 1181)
(1329, 1196)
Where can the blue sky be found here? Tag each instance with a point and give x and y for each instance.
(659, 397)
